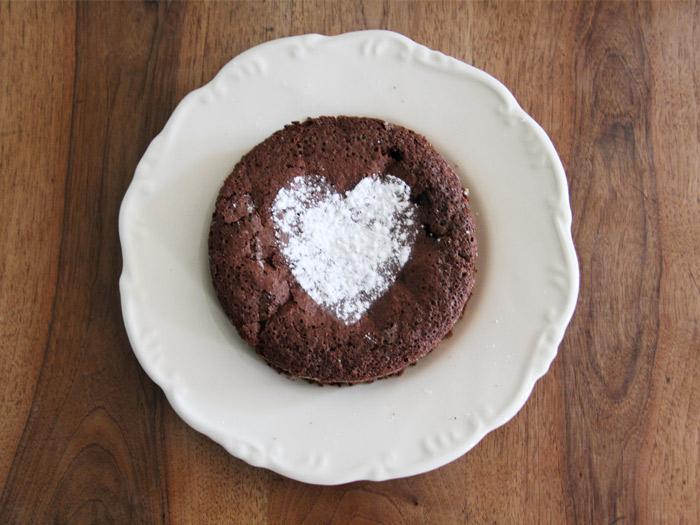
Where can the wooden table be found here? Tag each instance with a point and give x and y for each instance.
(610, 434)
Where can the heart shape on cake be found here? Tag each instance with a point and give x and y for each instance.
(345, 252)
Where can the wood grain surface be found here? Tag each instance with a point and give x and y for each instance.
(610, 435)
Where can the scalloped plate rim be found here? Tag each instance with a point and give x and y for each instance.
(368, 470)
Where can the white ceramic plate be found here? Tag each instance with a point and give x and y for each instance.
(475, 381)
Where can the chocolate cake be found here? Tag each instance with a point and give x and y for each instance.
(342, 249)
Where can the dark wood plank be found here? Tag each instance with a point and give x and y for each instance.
(34, 139)
(616, 331)
(91, 447)
(667, 481)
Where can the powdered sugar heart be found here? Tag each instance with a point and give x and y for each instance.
(345, 252)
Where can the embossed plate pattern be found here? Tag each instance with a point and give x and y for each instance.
(527, 280)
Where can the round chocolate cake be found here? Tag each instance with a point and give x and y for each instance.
(342, 249)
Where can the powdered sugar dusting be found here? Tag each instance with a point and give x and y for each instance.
(345, 252)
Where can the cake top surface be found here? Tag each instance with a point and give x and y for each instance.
(342, 249)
